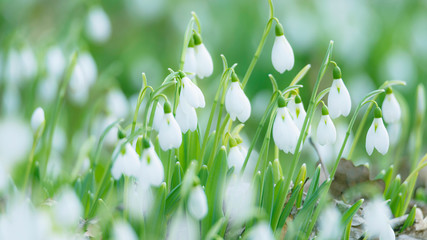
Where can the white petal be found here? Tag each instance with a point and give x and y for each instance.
(190, 63)
(98, 26)
(387, 234)
(186, 116)
(197, 203)
(370, 136)
(37, 118)
(204, 61)
(391, 109)
(381, 139)
(131, 162)
(158, 116)
(285, 132)
(282, 55)
(169, 133)
(236, 103)
(192, 93)
(326, 132)
(339, 101)
(152, 171)
(235, 159)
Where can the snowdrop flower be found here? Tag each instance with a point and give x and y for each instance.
(140, 199)
(158, 116)
(68, 208)
(55, 62)
(15, 141)
(122, 230)
(98, 26)
(28, 66)
(117, 104)
(236, 102)
(235, 157)
(83, 77)
(197, 203)
(169, 130)
(152, 171)
(377, 215)
(186, 115)
(192, 93)
(190, 63)
(330, 224)
(238, 200)
(183, 227)
(391, 108)
(285, 131)
(339, 100)
(127, 163)
(297, 111)
(203, 58)
(38, 120)
(377, 136)
(282, 55)
(326, 133)
(262, 231)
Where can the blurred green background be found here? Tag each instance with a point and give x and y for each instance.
(375, 41)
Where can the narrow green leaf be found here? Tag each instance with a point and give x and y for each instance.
(177, 175)
(277, 170)
(213, 231)
(288, 206)
(409, 220)
(172, 199)
(314, 182)
(268, 190)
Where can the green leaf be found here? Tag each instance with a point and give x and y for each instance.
(409, 220)
(173, 199)
(288, 206)
(393, 190)
(388, 177)
(177, 175)
(157, 218)
(347, 218)
(314, 182)
(213, 231)
(209, 147)
(277, 170)
(268, 190)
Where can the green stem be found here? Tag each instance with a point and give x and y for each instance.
(139, 101)
(31, 161)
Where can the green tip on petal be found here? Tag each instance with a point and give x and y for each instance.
(239, 140)
(197, 38)
(167, 108)
(297, 99)
(145, 143)
(337, 72)
(232, 142)
(234, 77)
(279, 29)
(191, 43)
(325, 110)
(377, 113)
(281, 102)
(181, 74)
(121, 134)
(388, 91)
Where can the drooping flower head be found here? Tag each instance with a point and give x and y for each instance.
(297, 111)
(282, 55)
(236, 102)
(285, 131)
(377, 215)
(186, 115)
(38, 120)
(377, 136)
(235, 157)
(326, 132)
(197, 203)
(203, 58)
(98, 25)
(169, 130)
(192, 93)
(127, 163)
(391, 108)
(190, 62)
(151, 170)
(339, 101)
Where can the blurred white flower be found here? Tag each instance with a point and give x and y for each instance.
(55, 62)
(68, 209)
(169, 130)
(203, 58)
(37, 119)
(297, 111)
(377, 136)
(83, 77)
(151, 172)
(391, 108)
(15, 141)
(122, 230)
(326, 132)
(330, 224)
(186, 115)
(235, 158)
(238, 200)
(285, 131)
(140, 199)
(47, 89)
(190, 63)
(21, 65)
(117, 104)
(236, 102)
(158, 116)
(192, 93)
(28, 65)
(197, 203)
(98, 26)
(261, 231)
(421, 99)
(339, 101)
(377, 215)
(127, 163)
(282, 55)
(182, 227)
(11, 102)
(394, 131)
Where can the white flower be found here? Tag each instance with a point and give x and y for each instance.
(186, 115)
(235, 158)
(262, 231)
(285, 131)
(190, 63)
(83, 77)
(326, 133)
(117, 104)
(55, 62)
(158, 116)
(282, 55)
(203, 58)
(391, 108)
(192, 93)
(122, 230)
(37, 119)
(330, 224)
(127, 163)
(152, 171)
(339, 101)
(197, 203)
(169, 130)
(238, 200)
(68, 208)
(377, 215)
(183, 227)
(236, 102)
(297, 111)
(377, 136)
(98, 26)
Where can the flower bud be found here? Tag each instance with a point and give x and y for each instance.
(38, 119)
